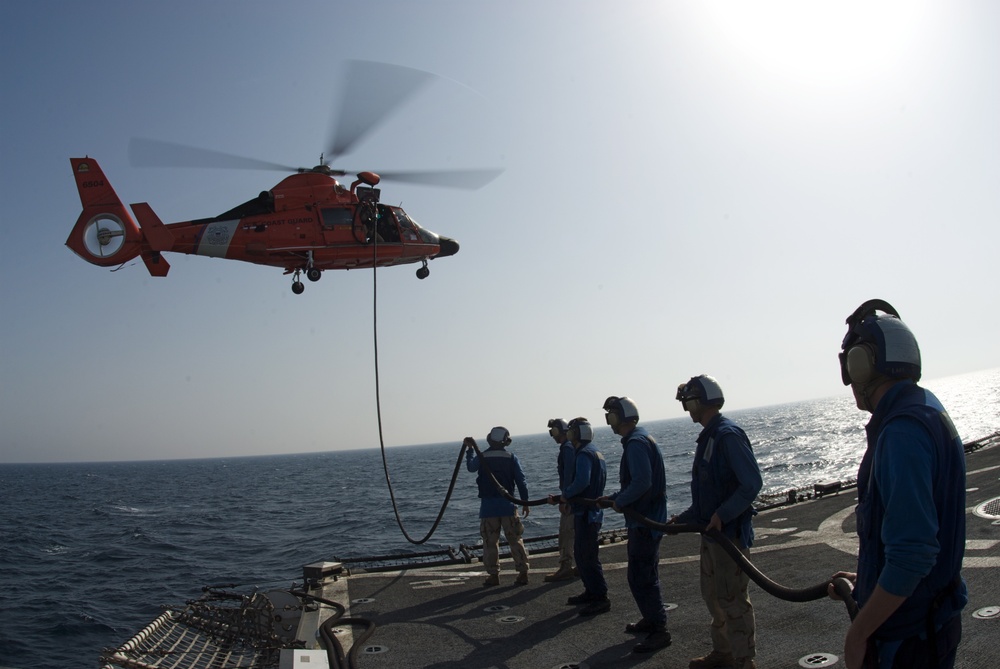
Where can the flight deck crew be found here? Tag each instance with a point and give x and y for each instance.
(587, 482)
(911, 503)
(643, 490)
(565, 466)
(725, 480)
(496, 513)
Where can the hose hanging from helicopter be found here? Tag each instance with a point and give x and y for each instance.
(378, 411)
(841, 586)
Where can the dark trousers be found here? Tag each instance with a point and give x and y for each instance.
(644, 574)
(586, 554)
(917, 653)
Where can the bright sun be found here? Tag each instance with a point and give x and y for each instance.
(826, 44)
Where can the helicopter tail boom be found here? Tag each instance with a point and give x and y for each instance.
(105, 233)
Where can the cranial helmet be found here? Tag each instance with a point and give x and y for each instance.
(620, 410)
(581, 429)
(498, 436)
(878, 346)
(557, 426)
(702, 388)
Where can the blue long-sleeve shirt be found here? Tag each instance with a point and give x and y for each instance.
(907, 491)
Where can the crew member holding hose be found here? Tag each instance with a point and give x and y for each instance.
(725, 480)
(911, 503)
(587, 482)
(644, 491)
(565, 461)
(495, 511)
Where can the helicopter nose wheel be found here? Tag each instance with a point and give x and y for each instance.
(314, 274)
(423, 272)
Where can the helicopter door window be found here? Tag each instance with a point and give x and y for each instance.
(407, 228)
(387, 230)
(336, 217)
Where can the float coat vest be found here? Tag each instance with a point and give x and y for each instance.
(713, 479)
(944, 582)
(564, 461)
(595, 487)
(501, 463)
(653, 503)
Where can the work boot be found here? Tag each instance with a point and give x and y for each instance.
(713, 660)
(660, 638)
(583, 598)
(597, 605)
(491, 580)
(641, 627)
(745, 663)
(522, 578)
(564, 573)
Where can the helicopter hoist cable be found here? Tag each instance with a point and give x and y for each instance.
(378, 411)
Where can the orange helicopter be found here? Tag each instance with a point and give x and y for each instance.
(306, 224)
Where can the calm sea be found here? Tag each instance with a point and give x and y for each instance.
(91, 553)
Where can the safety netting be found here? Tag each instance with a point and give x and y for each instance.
(219, 631)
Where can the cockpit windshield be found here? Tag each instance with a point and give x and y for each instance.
(409, 230)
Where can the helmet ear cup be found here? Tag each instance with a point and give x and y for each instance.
(860, 364)
(692, 404)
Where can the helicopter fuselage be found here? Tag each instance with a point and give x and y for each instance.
(308, 222)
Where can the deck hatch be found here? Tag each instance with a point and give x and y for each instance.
(989, 509)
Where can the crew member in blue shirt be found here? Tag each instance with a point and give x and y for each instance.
(587, 482)
(643, 490)
(911, 503)
(565, 466)
(725, 480)
(496, 513)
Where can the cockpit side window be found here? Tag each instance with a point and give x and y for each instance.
(408, 228)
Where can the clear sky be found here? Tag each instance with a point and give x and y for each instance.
(689, 187)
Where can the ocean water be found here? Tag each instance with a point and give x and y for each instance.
(91, 553)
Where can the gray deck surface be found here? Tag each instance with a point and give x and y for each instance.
(442, 617)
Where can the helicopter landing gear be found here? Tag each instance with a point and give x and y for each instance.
(312, 273)
(423, 272)
(297, 286)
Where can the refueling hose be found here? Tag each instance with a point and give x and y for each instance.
(334, 649)
(841, 586)
(378, 409)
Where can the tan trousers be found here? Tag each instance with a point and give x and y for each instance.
(565, 537)
(724, 589)
(513, 530)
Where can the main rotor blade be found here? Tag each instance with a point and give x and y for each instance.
(157, 153)
(472, 179)
(371, 92)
